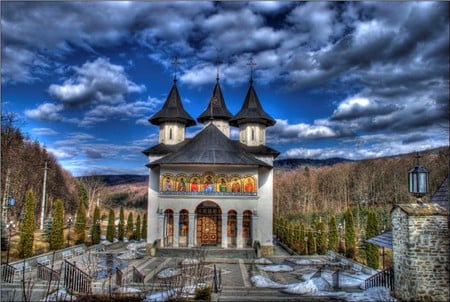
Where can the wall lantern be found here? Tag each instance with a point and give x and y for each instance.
(418, 179)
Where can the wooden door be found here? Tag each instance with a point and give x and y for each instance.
(208, 226)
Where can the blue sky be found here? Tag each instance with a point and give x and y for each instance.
(354, 80)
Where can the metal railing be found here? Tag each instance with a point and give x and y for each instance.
(8, 272)
(76, 280)
(46, 273)
(384, 278)
(138, 277)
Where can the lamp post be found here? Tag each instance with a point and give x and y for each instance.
(9, 226)
(69, 223)
(340, 248)
(418, 180)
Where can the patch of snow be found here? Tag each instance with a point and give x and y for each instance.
(127, 290)
(60, 295)
(303, 288)
(322, 284)
(299, 261)
(261, 281)
(168, 273)
(160, 296)
(278, 268)
(136, 245)
(263, 261)
(371, 294)
(190, 261)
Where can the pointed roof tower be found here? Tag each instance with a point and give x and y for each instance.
(219, 109)
(172, 110)
(252, 110)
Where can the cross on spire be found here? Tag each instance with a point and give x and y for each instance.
(251, 63)
(218, 62)
(175, 64)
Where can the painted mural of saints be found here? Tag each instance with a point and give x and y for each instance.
(208, 186)
(223, 185)
(235, 187)
(181, 185)
(249, 187)
(168, 185)
(194, 185)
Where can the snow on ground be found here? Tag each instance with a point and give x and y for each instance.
(380, 294)
(303, 288)
(127, 290)
(277, 268)
(168, 273)
(261, 281)
(299, 261)
(263, 261)
(189, 261)
(60, 295)
(185, 293)
(136, 245)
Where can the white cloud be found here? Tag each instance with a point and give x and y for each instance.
(97, 81)
(44, 131)
(46, 112)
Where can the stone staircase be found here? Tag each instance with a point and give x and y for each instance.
(206, 252)
(233, 294)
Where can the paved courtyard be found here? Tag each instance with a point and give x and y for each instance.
(232, 279)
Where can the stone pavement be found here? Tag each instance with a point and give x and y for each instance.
(235, 277)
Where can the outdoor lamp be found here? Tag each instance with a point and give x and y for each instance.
(418, 179)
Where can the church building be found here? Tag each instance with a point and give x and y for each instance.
(211, 190)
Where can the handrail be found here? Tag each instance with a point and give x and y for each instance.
(384, 278)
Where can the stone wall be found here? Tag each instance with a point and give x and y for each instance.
(421, 257)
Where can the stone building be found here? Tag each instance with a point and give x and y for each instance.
(210, 189)
(421, 249)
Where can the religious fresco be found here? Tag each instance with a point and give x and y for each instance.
(208, 183)
(194, 184)
(167, 183)
(182, 183)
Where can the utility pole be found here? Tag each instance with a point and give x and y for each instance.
(43, 196)
(5, 199)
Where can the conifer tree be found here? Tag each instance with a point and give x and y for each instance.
(350, 235)
(121, 226)
(144, 227)
(137, 231)
(333, 235)
(321, 238)
(95, 230)
(372, 229)
(311, 243)
(80, 224)
(130, 226)
(57, 231)
(303, 244)
(26, 241)
(111, 229)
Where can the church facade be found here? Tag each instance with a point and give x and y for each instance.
(210, 189)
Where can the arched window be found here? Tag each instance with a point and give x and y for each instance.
(170, 133)
(253, 134)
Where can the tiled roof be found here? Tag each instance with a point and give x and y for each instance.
(219, 108)
(440, 197)
(383, 240)
(172, 110)
(211, 146)
(252, 111)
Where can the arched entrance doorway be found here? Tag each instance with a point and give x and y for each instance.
(209, 223)
(168, 228)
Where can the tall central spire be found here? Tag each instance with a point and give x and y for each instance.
(251, 63)
(175, 64)
(218, 62)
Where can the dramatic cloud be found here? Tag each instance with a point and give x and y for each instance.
(46, 112)
(97, 81)
(375, 76)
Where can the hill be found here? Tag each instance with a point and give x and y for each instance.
(294, 163)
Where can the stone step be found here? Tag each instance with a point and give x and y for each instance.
(244, 253)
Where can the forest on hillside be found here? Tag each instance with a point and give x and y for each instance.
(372, 182)
(23, 163)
